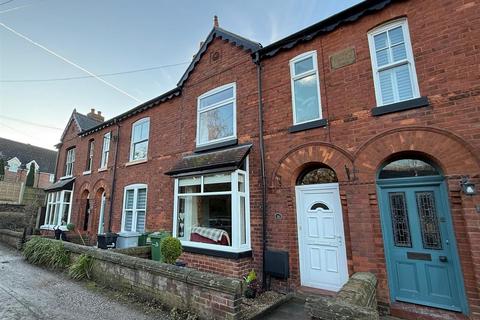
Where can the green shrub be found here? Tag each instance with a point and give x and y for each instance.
(81, 268)
(2, 169)
(171, 249)
(46, 252)
(31, 175)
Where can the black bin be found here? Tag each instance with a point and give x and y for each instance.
(107, 240)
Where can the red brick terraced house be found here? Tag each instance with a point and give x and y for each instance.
(352, 145)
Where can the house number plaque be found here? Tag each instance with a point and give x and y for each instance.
(342, 58)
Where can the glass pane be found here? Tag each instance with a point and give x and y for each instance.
(380, 41)
(140, 131)
(207, 219)
(140, 150)
(129, 199)
(404, 84)
(66, 207)
(319, 205)
(307, 105)
(303, 65)
(181, 218)
(382, 57)
(395, 35)
(217, 182)
(241, 183)
(142, 199)
(386, 87)
(128, 220)
(216, 124)
(243, 222)
(140, 221)
(407, 168)
(400, 225)
(399, 52)
(216, 98)
(317, 175)
(66, 196)
(189, 185)
(428, 220)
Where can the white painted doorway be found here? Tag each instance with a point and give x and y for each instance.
(101, 216)
(321, 239)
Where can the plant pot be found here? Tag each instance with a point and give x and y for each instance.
(250, 293)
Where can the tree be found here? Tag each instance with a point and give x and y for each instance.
(2, 169)
(31, 175)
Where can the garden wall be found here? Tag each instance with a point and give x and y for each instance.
(210, 296)
(12, 238)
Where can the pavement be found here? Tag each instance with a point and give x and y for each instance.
(30, 292)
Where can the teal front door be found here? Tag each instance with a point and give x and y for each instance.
(420, 247)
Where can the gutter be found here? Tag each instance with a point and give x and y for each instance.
(262, 166)
(112, 195)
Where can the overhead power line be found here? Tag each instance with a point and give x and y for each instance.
(100, 74)
(30, 123)
(1, 4)
(69, 62)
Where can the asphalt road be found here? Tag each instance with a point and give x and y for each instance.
(29, 292)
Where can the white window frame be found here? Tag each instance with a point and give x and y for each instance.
(37, 167)
(105, 150)
(54, 200)
(235, 202)
(403, 22)
(69, 163)
(294, 77)
(14, 164)
(215, 106)
(91, 147)
(135, 188)
(132, 143)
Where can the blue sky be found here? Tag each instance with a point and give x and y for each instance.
(106, 36)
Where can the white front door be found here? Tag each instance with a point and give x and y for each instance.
(321, 240)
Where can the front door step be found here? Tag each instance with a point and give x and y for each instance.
(415, 311)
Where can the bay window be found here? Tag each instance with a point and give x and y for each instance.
(394, 74)
(212, 211)
(134, 208)
(139, 143)
(58, 210)
(305, 88)
(216, 115)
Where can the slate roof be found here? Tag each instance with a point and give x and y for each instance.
(85, 122)
(230, 158)
(25, 153)
(66, 184)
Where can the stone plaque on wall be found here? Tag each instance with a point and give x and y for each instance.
(342, 58)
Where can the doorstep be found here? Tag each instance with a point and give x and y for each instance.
(415, 311)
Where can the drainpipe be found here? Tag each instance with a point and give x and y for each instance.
(262, 167)
(112, 192)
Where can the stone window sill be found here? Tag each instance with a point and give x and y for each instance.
(86, 173)
(135, 162)
(400, 106)
(308, 125)
(217, 145)
(66, 177)
(102, 169)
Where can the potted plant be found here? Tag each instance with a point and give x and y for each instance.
(251, 282)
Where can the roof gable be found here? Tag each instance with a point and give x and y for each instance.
(218, 32)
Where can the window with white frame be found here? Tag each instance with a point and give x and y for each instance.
(58, 209)
(13, 164)
(139, 144)
(305, 88)
(91, 146)
(105, 150)
(213, 210)
(394, 74)
(134, 208)
(70, 162)
(216, 115)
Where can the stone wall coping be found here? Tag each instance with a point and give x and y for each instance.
(11, 233)
(187, 275)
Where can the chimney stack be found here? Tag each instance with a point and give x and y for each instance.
(97, 116)
(215, 21)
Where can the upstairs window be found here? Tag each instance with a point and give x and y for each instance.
(216, 115)
(13, 164)
(305, 88)
(91, 145)
(134, 208)
(393, 66)
(70, 162)
(105, 150)
(139, 145)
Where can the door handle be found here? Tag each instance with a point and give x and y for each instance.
(443, 258)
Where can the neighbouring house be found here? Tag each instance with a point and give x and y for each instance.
(351, 145)
(18, 158)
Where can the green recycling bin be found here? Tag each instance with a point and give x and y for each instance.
(157, 238)
(143, 239)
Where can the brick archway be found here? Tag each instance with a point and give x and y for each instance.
(453, 154)
(297, 159)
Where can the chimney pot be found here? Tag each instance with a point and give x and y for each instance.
(95, 115)
(215, 21)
